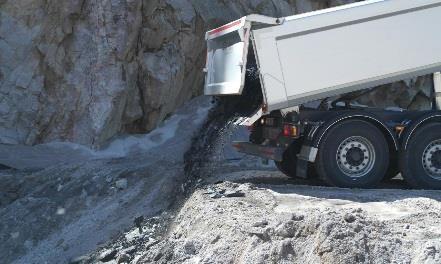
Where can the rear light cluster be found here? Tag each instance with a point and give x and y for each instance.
(268, 121)
(290, 130)
(272, 126)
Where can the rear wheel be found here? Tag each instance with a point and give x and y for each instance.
(393, 170)
(420, 163)
(353, 154)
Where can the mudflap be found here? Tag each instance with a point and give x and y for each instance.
(307, 154)
(302, 169)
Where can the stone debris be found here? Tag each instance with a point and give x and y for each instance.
(216, 193)
(107, 255)
(262, 223)
(79, 260)
(121, 184)
(297, 217)
(123, 258)
(350, 218)
(138, 222)
(234, 193)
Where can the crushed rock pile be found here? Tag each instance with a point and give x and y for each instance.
(248, 227)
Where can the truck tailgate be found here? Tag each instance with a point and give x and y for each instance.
(226, 58)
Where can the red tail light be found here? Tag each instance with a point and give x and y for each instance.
(290, 131)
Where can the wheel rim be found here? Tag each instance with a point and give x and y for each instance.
(355, 156)
(432, 159)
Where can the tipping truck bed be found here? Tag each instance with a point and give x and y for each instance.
(325, 53)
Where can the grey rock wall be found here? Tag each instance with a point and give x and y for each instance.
(86, 70)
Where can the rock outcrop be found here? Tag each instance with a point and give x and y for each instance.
(85, 70)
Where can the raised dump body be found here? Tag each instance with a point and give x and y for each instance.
(326, 53)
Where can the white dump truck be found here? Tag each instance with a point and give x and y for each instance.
(327, 56)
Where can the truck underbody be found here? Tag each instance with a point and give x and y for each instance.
(301, 139)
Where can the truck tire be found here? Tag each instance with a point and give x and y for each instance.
(288, 165)
(353, 154)
(393, 169)
(420, 162)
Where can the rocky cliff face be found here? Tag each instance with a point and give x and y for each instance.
(86, 70)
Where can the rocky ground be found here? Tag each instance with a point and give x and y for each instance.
(52, 213)
(235, 222)
(181, 194)
(239, 210)
(87, 71)
(261, 216)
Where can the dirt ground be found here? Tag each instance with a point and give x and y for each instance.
(207, 203)
(237, 215)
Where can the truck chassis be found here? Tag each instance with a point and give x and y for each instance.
(352, 147)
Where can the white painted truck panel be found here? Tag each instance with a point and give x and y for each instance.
(347, 49)
(229, 80)
(271, 73)
(227, 51)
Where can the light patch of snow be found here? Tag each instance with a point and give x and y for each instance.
(298, 203)
(61, 211)
(183, 122)
(166, 131)
(123, 146)
(133, 234)
(381, 205)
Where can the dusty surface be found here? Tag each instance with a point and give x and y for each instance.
(181, 194)
(303, 224)
(261, 216)
(243, 211)
(283, 220)
(54, 214)
(85, 71)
